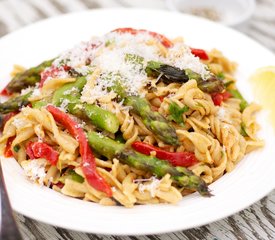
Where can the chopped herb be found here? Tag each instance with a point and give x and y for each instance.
(152, 68)
(176, 112)
(133, 58)
(154, 65)
(236, 94)
(243, 130)
(220, 75)
(109, 42)
(16, 148)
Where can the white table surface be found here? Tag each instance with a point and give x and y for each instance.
(256, 222)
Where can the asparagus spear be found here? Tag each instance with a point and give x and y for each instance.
(70, 93)
(172, 74)
(154, 121)
(27, 78)
(102, 118)
(15, 103)
(180, 175)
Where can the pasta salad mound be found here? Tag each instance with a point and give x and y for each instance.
(130, 117)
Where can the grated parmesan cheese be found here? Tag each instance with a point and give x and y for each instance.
(78, 56)
(36, 93)
(181, 57)
(221, 113)
(35, 170)
(26, 91)
(69, 91)
(151, 185)
(64, 104)
(86, 164)
(108, 55)
(223, 116)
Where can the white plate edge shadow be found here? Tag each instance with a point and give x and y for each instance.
(139, 228)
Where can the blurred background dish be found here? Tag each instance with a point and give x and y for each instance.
(231, 13)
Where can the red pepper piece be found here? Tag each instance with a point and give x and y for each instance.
(5, 92)
(183, 159)
(161, 98)
(42, 150)
(218, 98)
(29, 151)
(52, 72)
(6, 118)
(126, 30)
(59, 184)
(8, 151)
(164, 40)
(49, 72)
(199, 53)
(88, 160)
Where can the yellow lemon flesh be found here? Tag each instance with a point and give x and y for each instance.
(263, 83)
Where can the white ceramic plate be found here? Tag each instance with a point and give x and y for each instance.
(251, 180)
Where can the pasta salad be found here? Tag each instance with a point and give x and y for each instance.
(128, 118)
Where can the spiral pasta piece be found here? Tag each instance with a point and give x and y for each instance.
(230, 138)
(190, 95)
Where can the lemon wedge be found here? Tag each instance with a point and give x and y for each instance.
(263, 84)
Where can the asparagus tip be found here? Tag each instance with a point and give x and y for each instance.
(204, 190)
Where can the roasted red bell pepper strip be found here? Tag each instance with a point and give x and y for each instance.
(183, 159)
(218, 98)
(42, 150)
(199, 53)
(88, 160)
(164, 40)
(8, 151)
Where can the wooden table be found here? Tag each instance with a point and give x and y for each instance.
(256, 222)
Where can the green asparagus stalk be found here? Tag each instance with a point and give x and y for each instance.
(102, 118)
(180, 175)
(15, 103)
(27, 78)
(154, 121)
(71, 92)
(172, 74)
